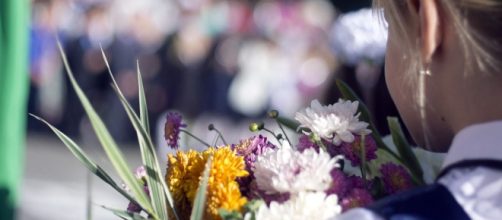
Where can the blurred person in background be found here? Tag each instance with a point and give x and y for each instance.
(234, 59)
(46, 83)
(14, 39)
(88, 66)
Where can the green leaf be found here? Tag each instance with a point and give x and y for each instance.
(108, 143)
(125, 215)
(85, 160)
(156, 184)
(291, 124)
(200, 198)
(404, 149)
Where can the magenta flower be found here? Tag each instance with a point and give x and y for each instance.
(395, 178)
(357, 197)
(340, 183)
(304, 143)
(172, 129)
(357, 182)
(352, 151)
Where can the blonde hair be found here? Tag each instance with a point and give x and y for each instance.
(478, 24)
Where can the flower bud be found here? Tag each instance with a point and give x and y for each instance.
(254, 127)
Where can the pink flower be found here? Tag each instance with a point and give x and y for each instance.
(172, 129)
(140, 174)
(395, 178)
(352, 151)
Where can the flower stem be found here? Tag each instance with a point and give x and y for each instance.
(212, 128)
(271, 132)
(363, 157)
(216, 140)
(195, 137)
(284, 132)
(321, 144)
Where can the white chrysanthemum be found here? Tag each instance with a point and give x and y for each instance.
(288, 171)
(338, 122)
(307, 205)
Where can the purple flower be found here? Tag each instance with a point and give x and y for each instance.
(140, 174)
(172, 129)
(352, 151)
(304, 143)
(395, 178)
(340, 183)
(251, 148)
(357, 182)
(357, 197)
(133, 207)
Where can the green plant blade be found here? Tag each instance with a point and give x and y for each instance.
(404, 149)
(200, 199)
(85, 159)
(158, 189)
(143, 107)
(291, 124)
(108, 143)
(149, 156)
(125, 215)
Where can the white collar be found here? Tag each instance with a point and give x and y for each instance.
(480, 141)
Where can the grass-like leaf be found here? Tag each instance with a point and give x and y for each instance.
(404, 149)
(158, 189)
(108, 143)
(125, 215)
(200, 199)
(85, 159)
(143, 107)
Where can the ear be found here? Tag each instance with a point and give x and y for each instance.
(430, 31)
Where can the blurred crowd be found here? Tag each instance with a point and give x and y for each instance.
(231, 58)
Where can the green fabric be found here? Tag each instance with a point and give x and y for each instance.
(14, 38)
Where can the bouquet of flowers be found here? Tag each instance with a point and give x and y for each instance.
(338, 162)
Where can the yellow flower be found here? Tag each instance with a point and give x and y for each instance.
(226, 196)
(181, 169)
(223, 190)
(184, 173)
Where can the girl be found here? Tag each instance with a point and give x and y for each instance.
(444, 74)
